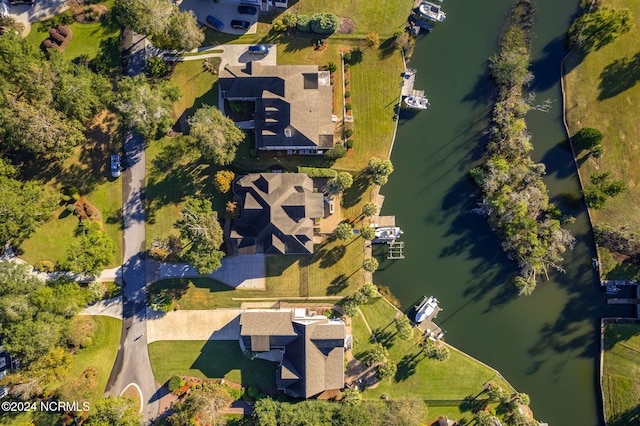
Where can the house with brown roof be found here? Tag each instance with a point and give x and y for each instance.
(292, 105)
(308, 349)
(277, 212)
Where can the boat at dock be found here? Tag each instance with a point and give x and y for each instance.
(411, 98)
(431, 12)
(385, 234)
(427, 309)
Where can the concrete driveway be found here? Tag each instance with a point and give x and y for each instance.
(223, 10)
(43, 9)
(219, 324)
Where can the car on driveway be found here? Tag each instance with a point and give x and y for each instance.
(247, 10)
(259, 49)
(240, 25)
(216, 23)
(115, 165)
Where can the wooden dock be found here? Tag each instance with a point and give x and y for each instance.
(621, 301)
(383, 220)
(428, 327)
(408, 81)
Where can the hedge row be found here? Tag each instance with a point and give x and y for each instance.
(320, 23)
(317, 172)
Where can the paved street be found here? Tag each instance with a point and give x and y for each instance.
(132, 364)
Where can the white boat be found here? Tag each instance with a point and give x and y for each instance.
(613, 290)
(425, 309)
(388, 233)
(416, 102)
(431, 12)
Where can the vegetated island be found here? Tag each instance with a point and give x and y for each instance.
(514, 197)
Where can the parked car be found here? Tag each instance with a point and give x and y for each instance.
(240, 25)
(216, 23)
(247, 10)
(115, 165)
(259, 49)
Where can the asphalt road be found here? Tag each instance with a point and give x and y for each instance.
(132, 364)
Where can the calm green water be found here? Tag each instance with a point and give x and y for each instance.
(546, 344)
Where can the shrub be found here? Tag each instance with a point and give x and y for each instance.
(324, 23)
(346, 67)
(350, 143)
(348, 133)
(156, 67)
(70, 208)
(45, 266)
(587, 138)
(332, 67)
(223, 180)
(348, 107)
(346, 82)
(303, 23)
(279, 26)
(347, 57)
(347, 94)
(317, 172)
(174, 383)
(290, 20)
(336, 152)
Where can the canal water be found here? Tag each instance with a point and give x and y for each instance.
(546, 344)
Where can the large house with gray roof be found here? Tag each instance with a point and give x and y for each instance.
(277, 212)
(309, 349)
(292, 105)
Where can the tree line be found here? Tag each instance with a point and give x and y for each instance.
(514, 199)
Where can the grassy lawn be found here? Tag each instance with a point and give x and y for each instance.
(210, 360)
(88, 170)
(602, 92)
(198, 87)
(442, 385)
(99, 39)
(621, 376)
(361, 336)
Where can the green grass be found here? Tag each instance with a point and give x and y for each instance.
(210, 360)
(361, 336)
(600, 93)
(621, 374)
(443, 385)
(198, 87)
(88, 171)
(89, 40)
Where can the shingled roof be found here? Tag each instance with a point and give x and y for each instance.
(313, 360)
(277, 212)
(293, 103)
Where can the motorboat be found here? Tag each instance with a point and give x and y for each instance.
(388, 233)
(431, 12)
(416, 102)
(425, 309)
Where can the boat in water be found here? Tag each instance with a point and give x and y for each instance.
(426, 308)
(385, 234)
(416, 101)
(431, 12)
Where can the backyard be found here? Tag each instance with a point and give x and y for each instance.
(621, 374)
(442, 385)
(601, 90)
(212, 359)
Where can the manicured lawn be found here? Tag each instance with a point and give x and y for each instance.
(601, 92)
(361, 336)
(621, 374)
(88, 171)
(198, 87)
(101, 354)
(100, 39)
(210, 360)
(442, 385)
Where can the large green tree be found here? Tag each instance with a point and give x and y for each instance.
(114, 411)
(216, 136)
(201, 227)
(205, 404)
(91, 252)
(146, 107)
(597, 29)
(181, 33)
(336, 185)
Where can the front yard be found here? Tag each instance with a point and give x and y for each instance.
(212, 359)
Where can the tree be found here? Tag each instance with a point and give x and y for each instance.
(182, 32)
(82, 330)
(146, 108)
(386, 370)
(91, 252)
(403, 327)
(370, 291)
(597, 29)
(587, 138)
(369, 209)
(368, 233)
(223, 180)
(216, 136)
(205, 404)
(483, 418)
(200, 226)
(377, 354)
(380, 170)
(156, 67)
(114, 411)
(370, 264)
(332, 67)
(31, 339)
(324, 23)
(23, 207)
(601, 188)
(62, 297)
(373, 40)
(344, 231)
(337, 185)
(522, 398)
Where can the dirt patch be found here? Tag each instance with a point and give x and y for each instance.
(90, 13)
(347, 26)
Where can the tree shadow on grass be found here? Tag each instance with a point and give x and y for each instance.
(407, 366)
(384, 337)
(629, 417)
(618, 76)
(338, 284)
(333, 256)
(352, 196)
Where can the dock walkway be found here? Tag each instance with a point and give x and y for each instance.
(408, 81)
